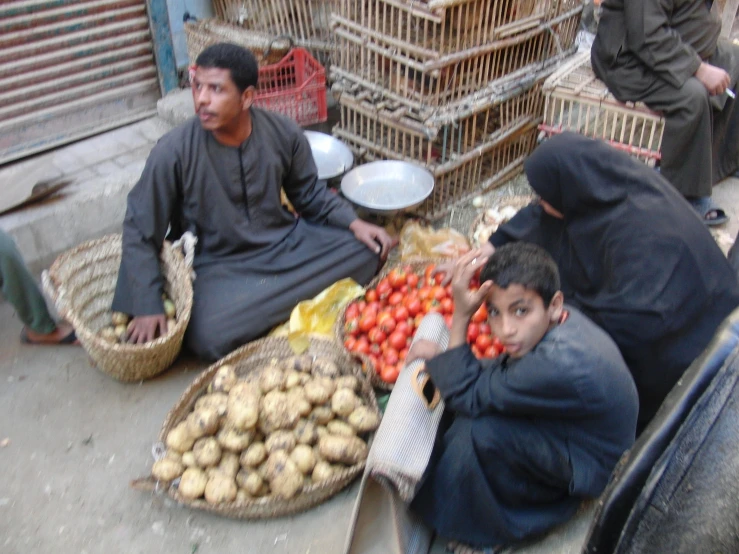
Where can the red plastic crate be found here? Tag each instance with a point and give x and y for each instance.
(295, 86)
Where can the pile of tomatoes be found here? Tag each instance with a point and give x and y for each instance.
(382, 324)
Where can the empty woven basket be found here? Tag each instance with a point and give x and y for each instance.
(82, 283)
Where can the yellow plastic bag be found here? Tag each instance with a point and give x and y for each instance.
(419, 241)
(317, 316)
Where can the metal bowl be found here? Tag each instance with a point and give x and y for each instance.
(387, 187)
(332, 157)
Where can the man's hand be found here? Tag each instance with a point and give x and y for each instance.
(715, 79)
(422, 349)
(447, 268)
(374, 236)
(145, 328)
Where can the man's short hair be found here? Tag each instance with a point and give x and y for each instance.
(525, 264)
(238, 60)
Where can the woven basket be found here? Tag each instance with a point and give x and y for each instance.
(367, 365)
(82, 283)
(516, 202)
(245, 360)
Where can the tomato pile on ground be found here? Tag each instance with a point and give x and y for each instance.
(382, 324)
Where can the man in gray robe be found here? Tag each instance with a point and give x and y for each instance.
(668, 54)
(219, 175)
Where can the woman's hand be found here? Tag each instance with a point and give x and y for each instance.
(375, 237)
(447, 268)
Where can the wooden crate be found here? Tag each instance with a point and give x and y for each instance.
(484, 168)
(575, 100)
(442, 27)
(425, 82)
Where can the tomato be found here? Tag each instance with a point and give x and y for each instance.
(485, 329)
(428, 279)
(483, 342)
(351, 327)
(401, 313)
(448, 320)
(432, 307)
(384, 289)
(367, 321)
(476, 351)
(439, 278)
(413, 307)
(352, 311)
(498, 344)
(473, 331)
(424, 293)
(391, 356)
(371, 295)
(412, 281)
(438, 293)
(395, 299)
(480, 315)
(403, 354)
(372, 308)
(362, 305)
(403, 290)
(376, 336)
(492, 352)
(447, 305)
(397, 340)
(404, 328)
(350, 343)
(386, 323)
(397, 278)
(389, 373)
(418, 319)
(362, 346)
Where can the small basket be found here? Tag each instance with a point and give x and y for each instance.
(244, 360)
(295, 87)
(82, 282)
(516, 202)
(367, 365)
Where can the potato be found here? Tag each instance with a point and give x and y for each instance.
(243, 388)
(242, 496)
(318, 390)
(285, 479)
(171, 325)
(302, 363)
(220, 488)
(271, 377)
(203, 422)
(296, 397)
(280, 440)
(347, 450)
(322, 471)
(344, 402)
(293, 379)
(229, 464)
(321, 431)
(170, 310)
(179, 438)
(234, 440)
(224, 379)
(188, 459)
(118, 318)
(216, 400)
(364, 419)
(305, 432)
(250, 481)
(254, 455)
(340, 428)
(121, 331)
(276, 412)
(192, 484)
(207, 452)
(325, 368)
(166, 470)
(174, 456)
(304, 458)
(321, 415)
(347, 382)
(108, 334)
(243, 412)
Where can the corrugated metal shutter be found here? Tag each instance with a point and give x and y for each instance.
(70, 69)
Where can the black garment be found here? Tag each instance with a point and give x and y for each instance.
(632, 254)
(524, 441)
(254, 260)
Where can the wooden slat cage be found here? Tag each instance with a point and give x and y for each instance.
(576, 100)
(201, 34)
(444, 27)
(423, 81)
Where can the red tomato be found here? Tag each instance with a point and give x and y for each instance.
(384, 289)
(492, 352)
(447, 305)
(386, 323)
(401, 313)
(413, 307)
(438, 293)
(448, 320)
(362, 346)
(412, 280)
(362, 305)
(427, 273)
(483, 342)
(397, 340)
(438, 278)
(371, 295)
(395, 299)
(403, 354)
(480, 315)
(397, 278)
(391, 356)
(485, 329)
(351, 327)
(417, 320)
(403, 290)
(473, 331)
(432, 307)
(352, 311)
(367, 321)
(376, 336)
(476, 351)
(372, 308)
(424, 293)
(350, 343)
(389, 373)
(404, 328)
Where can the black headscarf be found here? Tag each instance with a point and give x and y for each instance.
(632, 253)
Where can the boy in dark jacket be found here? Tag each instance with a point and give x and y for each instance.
(526, 436)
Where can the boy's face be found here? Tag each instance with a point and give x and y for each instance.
(519, 318)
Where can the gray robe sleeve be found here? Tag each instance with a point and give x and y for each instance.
(151, 204)
(310, 197)
(656, 44)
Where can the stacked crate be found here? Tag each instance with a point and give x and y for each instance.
(455, 85)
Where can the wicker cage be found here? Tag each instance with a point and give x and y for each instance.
(246, 360)
(82, 282)
(267, 48)
(516, 202)
(442, 27)
(577, 101)
(422, 80)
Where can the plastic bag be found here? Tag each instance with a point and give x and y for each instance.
(317, 316)
(419, 241)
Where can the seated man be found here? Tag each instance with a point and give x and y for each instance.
(19, 288)
(668, 54)
(527, 436)
(219, 175)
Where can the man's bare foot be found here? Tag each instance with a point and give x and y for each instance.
(63, 334)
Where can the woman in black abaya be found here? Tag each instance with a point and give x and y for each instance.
(633, 256)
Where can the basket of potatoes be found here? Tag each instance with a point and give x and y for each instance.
(265, 433)
(82, 281)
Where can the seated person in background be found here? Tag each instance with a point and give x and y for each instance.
(668, 54)
(526, 436)
(20, 289)
(219, 175)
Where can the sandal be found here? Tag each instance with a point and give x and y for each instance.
(69, 339)
(705, 206)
